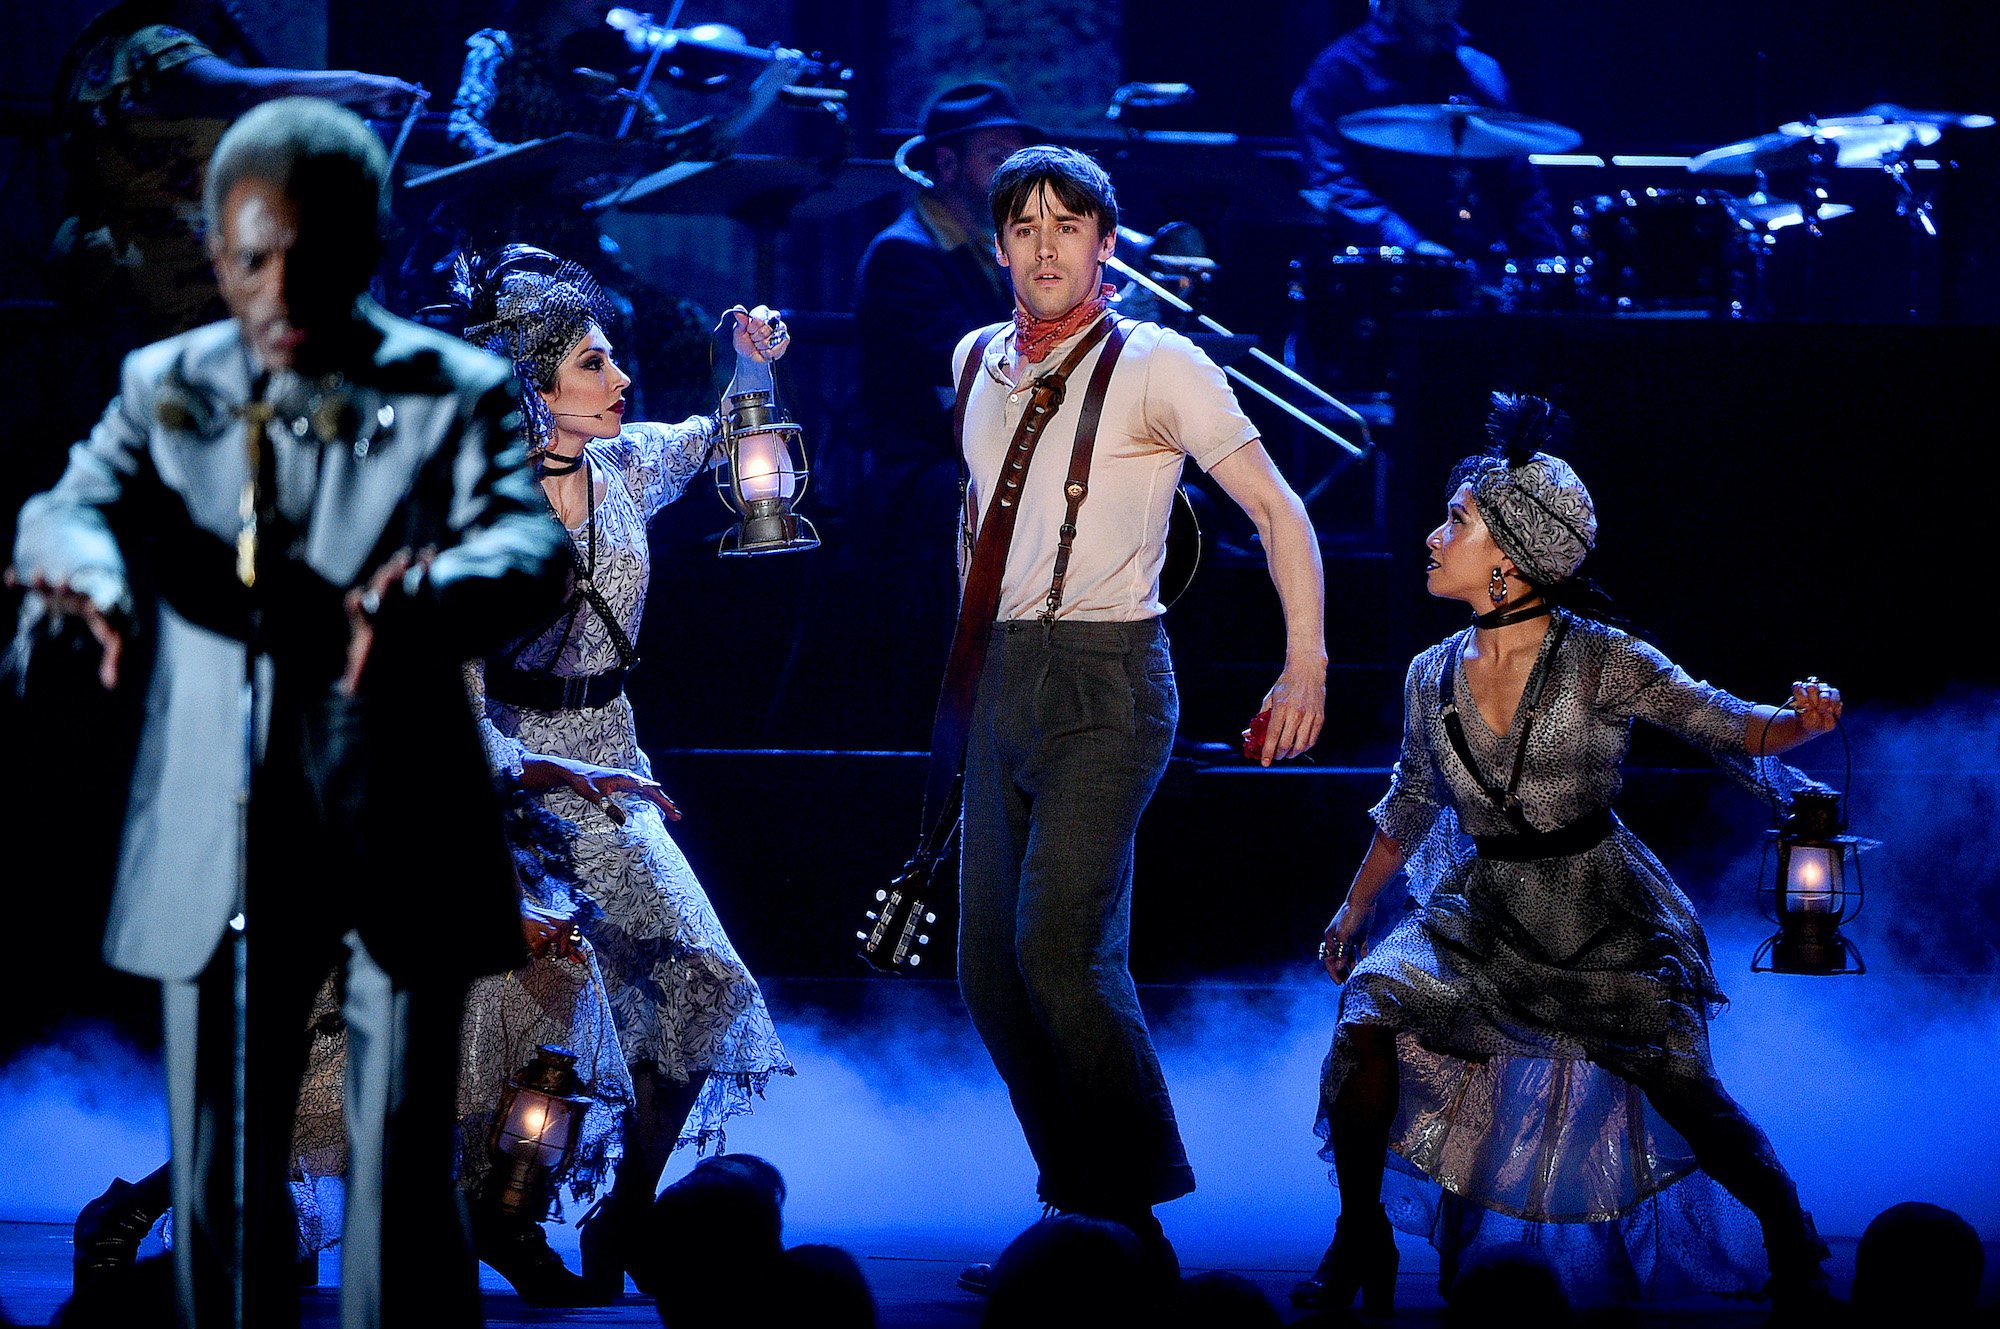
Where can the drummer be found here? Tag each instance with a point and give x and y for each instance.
(1414, 52)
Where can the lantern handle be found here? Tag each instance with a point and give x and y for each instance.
(725, 328)
(1770, 789)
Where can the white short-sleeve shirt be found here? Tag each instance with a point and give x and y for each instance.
(1166, 402)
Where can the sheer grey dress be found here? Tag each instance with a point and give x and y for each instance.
(1531, 1000)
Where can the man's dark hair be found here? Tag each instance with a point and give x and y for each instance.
(1078, 183)
(1918, 1264)
(321, 155)
(1071, 1270)
(712, 1233)
(822, 1286)
(1510, 1277)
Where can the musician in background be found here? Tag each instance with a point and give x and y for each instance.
(929, 278)
(530, 79)
(1413, 51)
(141, 98)
(555, 68)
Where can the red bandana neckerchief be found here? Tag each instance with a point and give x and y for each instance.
(1035, 337)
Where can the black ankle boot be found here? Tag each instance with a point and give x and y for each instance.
(1362, 1258)
(1798, 1288)
(606, 1236)
(518, 1250)
(108, 1232)
(1161, 1260)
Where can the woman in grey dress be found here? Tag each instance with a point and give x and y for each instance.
(1533, 1036)
(695, 1031)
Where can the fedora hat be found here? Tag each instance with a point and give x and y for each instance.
(955, 112)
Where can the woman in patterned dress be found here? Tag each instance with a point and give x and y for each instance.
(557, 998)
(1532, 1037)
(696, 1035)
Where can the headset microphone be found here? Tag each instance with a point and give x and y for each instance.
(580, 415)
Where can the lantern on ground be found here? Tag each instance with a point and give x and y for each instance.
(535, 1131)
(765, 469)
(1815, 888)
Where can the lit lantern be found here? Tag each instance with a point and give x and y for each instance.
(535, 1130)
(766, 470)
(1816, 888)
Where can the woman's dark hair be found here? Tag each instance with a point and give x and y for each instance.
(526, 304)
(1519, 425)
(1078, 183)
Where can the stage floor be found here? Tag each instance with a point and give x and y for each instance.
(898, 1144)
(912, 1275)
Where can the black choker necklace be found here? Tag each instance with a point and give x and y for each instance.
(1501, 617)
(554, 463)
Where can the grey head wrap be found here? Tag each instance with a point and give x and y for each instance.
(1539, 512)
(531, 307)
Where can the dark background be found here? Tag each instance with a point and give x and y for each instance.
(1808, 494)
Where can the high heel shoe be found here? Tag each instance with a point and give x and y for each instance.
(604, 1238)
(109, 1229)
(518, 1250)
(1362, 1258)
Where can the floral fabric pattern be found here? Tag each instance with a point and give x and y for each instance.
(684, 1001)
(507, 1018)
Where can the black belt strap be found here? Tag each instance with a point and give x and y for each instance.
(541, 690)
(1579, 836)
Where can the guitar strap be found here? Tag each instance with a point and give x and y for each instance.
(980, 600)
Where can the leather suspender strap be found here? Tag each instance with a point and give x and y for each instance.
(979, 602)
(1077, 487)
(965, 378)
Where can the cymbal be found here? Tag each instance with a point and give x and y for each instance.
(1942, 119)
(1777, 214)
(1452, 129)
(1869, 139)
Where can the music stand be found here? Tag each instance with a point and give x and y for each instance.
(764, 193)
(565, 163)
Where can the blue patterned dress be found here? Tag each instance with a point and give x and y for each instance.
(683, 1000)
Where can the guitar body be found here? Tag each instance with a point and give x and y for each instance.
(1183, 549)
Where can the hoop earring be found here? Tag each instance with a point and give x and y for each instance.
(1496, 588)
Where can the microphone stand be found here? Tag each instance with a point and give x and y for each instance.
(257, 417)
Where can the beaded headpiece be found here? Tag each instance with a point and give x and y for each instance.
(1539, 512)
(531, 307)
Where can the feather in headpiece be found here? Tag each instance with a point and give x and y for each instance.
(1521, 425)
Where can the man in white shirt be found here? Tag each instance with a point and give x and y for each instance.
(1076, 708)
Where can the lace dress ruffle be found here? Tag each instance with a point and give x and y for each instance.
(507, 1018)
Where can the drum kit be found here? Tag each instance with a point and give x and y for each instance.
(1673, 249)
